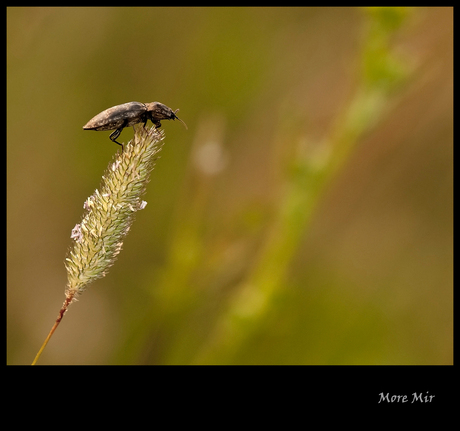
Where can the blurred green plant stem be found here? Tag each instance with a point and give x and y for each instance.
(381, 71)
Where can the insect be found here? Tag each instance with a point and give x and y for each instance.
(128, 114)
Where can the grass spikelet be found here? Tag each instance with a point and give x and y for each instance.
(109, 213)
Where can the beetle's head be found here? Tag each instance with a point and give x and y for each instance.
(158, 112)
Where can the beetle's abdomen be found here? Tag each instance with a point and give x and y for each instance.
(123, 115)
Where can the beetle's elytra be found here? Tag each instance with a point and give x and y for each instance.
(128, 114)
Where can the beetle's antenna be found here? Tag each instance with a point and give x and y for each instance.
(185, 125)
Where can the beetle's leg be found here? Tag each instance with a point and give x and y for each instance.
(157, 124)
(114, 135)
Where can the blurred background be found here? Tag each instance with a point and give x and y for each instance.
(305, 217)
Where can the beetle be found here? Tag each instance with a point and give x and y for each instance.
(128, 114)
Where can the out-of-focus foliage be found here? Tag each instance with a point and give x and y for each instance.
(304, 218)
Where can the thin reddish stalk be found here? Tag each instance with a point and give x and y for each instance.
(66, 304)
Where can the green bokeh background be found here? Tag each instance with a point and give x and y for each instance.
(305, 217)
